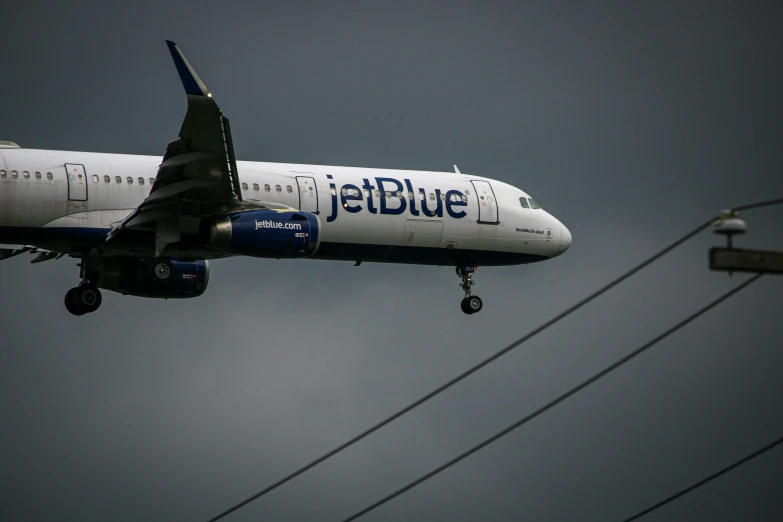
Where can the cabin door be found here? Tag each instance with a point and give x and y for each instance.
(77, 182)
(488, 205)
(308, 194)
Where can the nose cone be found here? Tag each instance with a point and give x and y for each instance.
(565, 239)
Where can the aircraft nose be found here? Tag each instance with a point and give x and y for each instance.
(565, 238)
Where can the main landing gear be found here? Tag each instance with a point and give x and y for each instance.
(471, 303)
(85, 298)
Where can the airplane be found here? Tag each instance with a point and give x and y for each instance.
(146, 226)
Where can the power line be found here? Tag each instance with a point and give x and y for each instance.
(704, 481)
(554, 402)
(760, 204)
(482, 364)
(466, 373)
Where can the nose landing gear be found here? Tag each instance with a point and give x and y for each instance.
(471, 303)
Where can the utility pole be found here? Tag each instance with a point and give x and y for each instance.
(737, 259)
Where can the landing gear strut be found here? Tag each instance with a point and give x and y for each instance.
(471, 303)
(85, 298)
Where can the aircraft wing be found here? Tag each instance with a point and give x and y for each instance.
(198, 175)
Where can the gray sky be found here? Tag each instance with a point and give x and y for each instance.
(630, 122)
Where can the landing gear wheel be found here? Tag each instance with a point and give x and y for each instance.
(88, 298)
(473, 304)
(83, 299)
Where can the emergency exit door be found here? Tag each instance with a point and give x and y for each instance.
(77, 182)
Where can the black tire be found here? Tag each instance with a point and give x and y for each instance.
(464, 306)
(70, 302)
(474, 304)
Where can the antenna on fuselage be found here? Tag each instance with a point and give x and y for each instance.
(456, 170)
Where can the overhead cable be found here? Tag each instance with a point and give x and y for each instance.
(483, 363)
(466, 373)
(554, 402)
(702, 482)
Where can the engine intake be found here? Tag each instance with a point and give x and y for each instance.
(265, 233)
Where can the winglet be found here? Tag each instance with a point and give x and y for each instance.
(190, 80)
(456, 170)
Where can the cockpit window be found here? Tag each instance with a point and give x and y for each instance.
(523, 202)
(533, 203)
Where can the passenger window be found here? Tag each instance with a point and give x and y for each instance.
(278, 188)
(410, 195)
(344, 191)
(289, 189)
(152, 181)
(14, 174)
(129, 180)
(26, 174)
(367, 193)
(256, 187)
(432, 196)
(443, 197)
(267, 188)
(49, 176)
(37, 175)
(244, 186)
(141, 181)
(94, 177)
(106, 179)
(118, 180)
(523, 202)
(399, 194)
(464, 198)
(421, 196)
(377, 193)
(387, 194)
(533, 203)
(2, 174)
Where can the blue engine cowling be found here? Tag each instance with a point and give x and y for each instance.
(265, 233)
(138, 278)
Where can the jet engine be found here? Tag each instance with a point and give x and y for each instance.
(157, 278)
(264, 233)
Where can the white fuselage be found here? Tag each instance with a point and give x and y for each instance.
(356, 206)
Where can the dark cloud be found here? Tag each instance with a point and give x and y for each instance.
(631, 123)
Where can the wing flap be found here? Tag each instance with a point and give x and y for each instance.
(198, 174)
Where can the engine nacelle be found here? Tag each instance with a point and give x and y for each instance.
(157, 278)
(265, 233)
